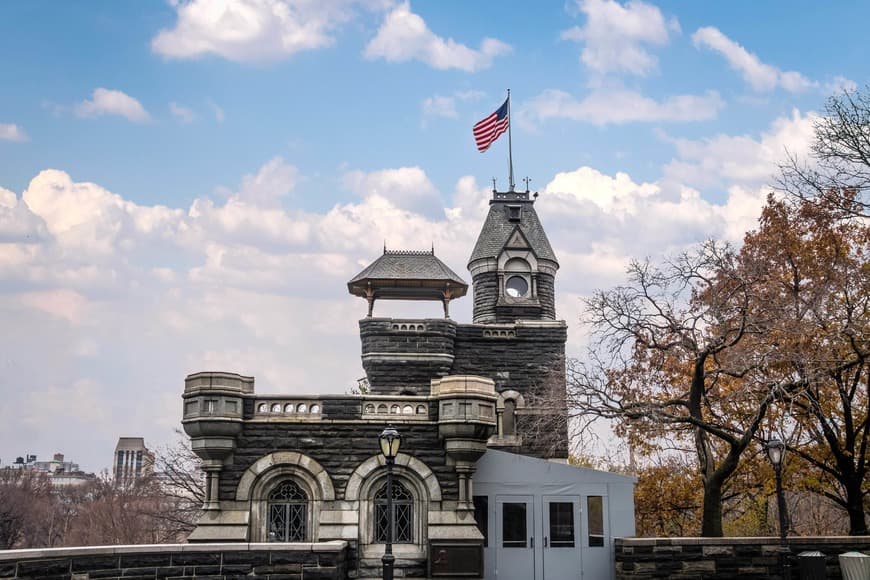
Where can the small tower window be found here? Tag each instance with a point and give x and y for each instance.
(508, 419)
(516, 287)
(515, 212)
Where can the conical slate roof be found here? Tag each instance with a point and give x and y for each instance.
(498, 228)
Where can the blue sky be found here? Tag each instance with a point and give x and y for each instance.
(188, 185)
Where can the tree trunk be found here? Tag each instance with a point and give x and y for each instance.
(711, 520)
(855, 508)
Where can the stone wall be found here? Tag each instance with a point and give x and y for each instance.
(339, 446)
(725, 558)
(526, 357)
(402, 356)
(322, 561)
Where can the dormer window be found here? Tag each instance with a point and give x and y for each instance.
(515, 212)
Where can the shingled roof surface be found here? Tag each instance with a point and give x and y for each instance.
(408, 265)
(497, 229)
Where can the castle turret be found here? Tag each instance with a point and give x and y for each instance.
(513, 267)
(402, 356)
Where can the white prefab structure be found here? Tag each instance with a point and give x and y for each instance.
(549, 521)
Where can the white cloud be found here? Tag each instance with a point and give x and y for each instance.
(440, 106)
(238, 283)
(184, 114)
(405, 187)
(840, 84)
(62, 303)
(606, 107)
(445, 106)
(615, 36)
(742, 159)
(404, 36)
(12, 132)
(111, 102)
(273, 181)
(17, 222)
(251, 30)
(760, 76)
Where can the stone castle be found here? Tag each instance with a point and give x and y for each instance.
(285, 468)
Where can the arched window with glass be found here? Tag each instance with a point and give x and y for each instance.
(403, 514)
(288, 513)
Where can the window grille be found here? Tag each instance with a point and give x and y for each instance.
(288, 513)
(403, 515)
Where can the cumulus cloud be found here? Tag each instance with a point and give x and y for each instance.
(445, 106)
(12, 132)
(252, 30)
(614, 107)
(404, 36)
(273, 181)
(112, 102)
(236, 283)
(760, 76)
(17, 222)
(742, 159)
(405, 187)
(616, 36)
(440, 106)
(184, 114)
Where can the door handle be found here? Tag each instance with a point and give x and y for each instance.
(533, 541)
(545, 541)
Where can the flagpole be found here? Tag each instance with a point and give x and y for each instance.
(510, 145)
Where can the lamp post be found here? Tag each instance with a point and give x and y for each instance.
(390, 441)
(775, 452)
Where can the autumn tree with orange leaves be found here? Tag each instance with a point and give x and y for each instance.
(816, 295)
(671, 360)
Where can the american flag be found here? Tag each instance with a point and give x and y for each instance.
(491, 127)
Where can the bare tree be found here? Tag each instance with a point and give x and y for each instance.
(838, 170)
(670, 360)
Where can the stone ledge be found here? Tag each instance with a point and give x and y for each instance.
(43, 553)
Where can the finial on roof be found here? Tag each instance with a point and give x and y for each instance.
(526, 179)
(493, 185)
(385, 246)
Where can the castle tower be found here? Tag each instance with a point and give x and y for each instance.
(403, 356)
(513, 267)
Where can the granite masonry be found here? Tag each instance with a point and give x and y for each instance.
(728, 558)
(307, 468)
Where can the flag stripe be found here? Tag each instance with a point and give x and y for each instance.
(491, 127)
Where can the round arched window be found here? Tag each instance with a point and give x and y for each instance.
(288, 513)
(402, 516)
(516, 287)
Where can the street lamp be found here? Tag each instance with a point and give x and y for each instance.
(775, 452)
(390, 441)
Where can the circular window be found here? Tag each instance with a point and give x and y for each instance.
(516, 287)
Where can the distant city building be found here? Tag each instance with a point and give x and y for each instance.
(56, 465)
(61, 473)
(132, 460)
